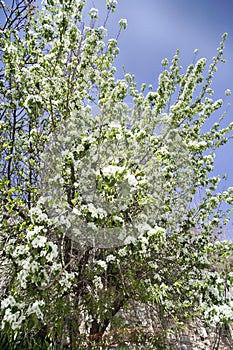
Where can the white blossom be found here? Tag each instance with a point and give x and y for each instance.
(96, 212)
(36, 308)
(10, 300)
(110, 257)
(39, 241)
(14, 319)
(131, 180)
(66, 279)
(93, 13)
(52, 255)
(102, 264)
(111, 170)
(97, 282)
(123, 23)
(122, 169)
(122, 252)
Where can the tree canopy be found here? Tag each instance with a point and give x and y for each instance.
(108, 202)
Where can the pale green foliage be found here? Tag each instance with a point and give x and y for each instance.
(144, 163)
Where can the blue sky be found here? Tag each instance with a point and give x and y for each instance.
(156, 28)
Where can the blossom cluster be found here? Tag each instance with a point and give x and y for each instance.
(104, 202)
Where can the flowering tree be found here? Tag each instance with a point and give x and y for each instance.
(98, 195)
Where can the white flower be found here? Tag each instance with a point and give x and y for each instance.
(122, 252)
(111, 4)
(153, 264)
(97, 282)
(164, 62)
(114, 125)
(158, 232)
(56, 266)
(34, 266)
(15, 319)
(34, 232)
(96, 212)
(66, 280)
(131, 180)
(37, 215)
(118, 218)
(214, 291)
(110, 258)
(228, 92)
(33, 131)
(130, 239)
(144, 240)
(39, 241)
(111, 170)
(35, 308)
(54, 252)
(102, 264)
(102, 30)
(8, 301)
(93, 13)
(20, 250)
(76, 211)
(123, 23)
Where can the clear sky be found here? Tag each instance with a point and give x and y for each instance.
(156, 28)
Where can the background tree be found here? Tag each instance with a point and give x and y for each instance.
(98, 204)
